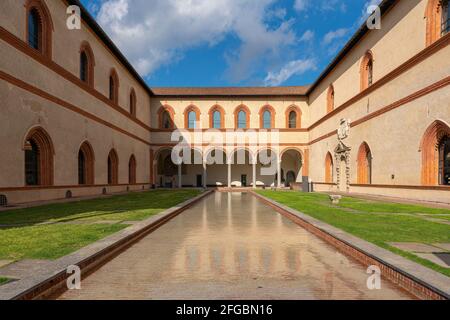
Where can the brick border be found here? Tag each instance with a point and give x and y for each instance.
(53, 281)
(418, 280)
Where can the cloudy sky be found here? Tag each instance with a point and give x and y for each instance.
(229, 42)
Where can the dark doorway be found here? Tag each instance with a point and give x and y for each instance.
(244, 180)
(199, 180)
(290, 178)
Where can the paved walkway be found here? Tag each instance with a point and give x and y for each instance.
(231, 246)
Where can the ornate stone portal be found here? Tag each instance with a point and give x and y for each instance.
(342, 153)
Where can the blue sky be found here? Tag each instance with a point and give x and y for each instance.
(229, 42)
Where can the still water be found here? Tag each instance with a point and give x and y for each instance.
(231, 246)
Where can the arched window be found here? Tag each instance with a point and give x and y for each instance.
(166, 117)
(38, 27)
(38, 158)
(267, 117)
(444, 161)
(217, 120)
(293, 117)
(241, 117)
(445, 28)
(242, 120)
(87, 64)
(34, 29)
(216, 117)
(437, 16)
(114, 87)
(191, 117)
(86, 164)
(132, 170)
(83, 67)
(330, 99)
(364, 164)
(133, 103)
(329, 168)
(367, 71)
(192, 120)
(435, 157)
(113, 167)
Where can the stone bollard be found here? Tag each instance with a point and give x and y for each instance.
(335, 199)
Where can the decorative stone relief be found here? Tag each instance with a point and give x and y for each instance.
(342, 153)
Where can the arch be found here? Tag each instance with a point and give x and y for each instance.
(114, 86)
(86, 160)
(87, 64)
(216, 124)
(364, 164)
(292, 123)
(132, 102)
(435, 16)
(166, 116)
(191, 123)
(39, 153)
(366, 71)
(246, 110)
(329, 168)
(132, 166)
(235, 152)
(113, 167)
(267, 123)
(291, 160)
(330, 99)
(40, 39)
(429, 147)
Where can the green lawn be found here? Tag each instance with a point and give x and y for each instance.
(3, 280)
(70, 226)
(376, 222)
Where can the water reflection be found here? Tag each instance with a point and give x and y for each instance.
(231, 246)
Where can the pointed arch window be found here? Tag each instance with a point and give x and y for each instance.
(113, 168)
(293, 117)
(132, 170)
(38, 158)
(39, 27)
(437, 16)
(86, 165)
(242, 120)
(330, 99)
(216, 117)
(87, 64)
(444, 161)
(329, 168)
(445, 27)
(114, 87)
(364, 164)
(34, 30)
(133, 103)
(366, 72)
(191, 117)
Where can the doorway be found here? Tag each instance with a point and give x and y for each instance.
(199, 181)
(244, 180)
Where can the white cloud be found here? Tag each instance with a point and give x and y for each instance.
(292, 68)
(336, 34)
(307, 36)
(301, 5)
(156, 33)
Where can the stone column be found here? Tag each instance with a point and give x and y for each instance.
(254, 175)
(229, 175)
(279, 173)
(204, 176)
